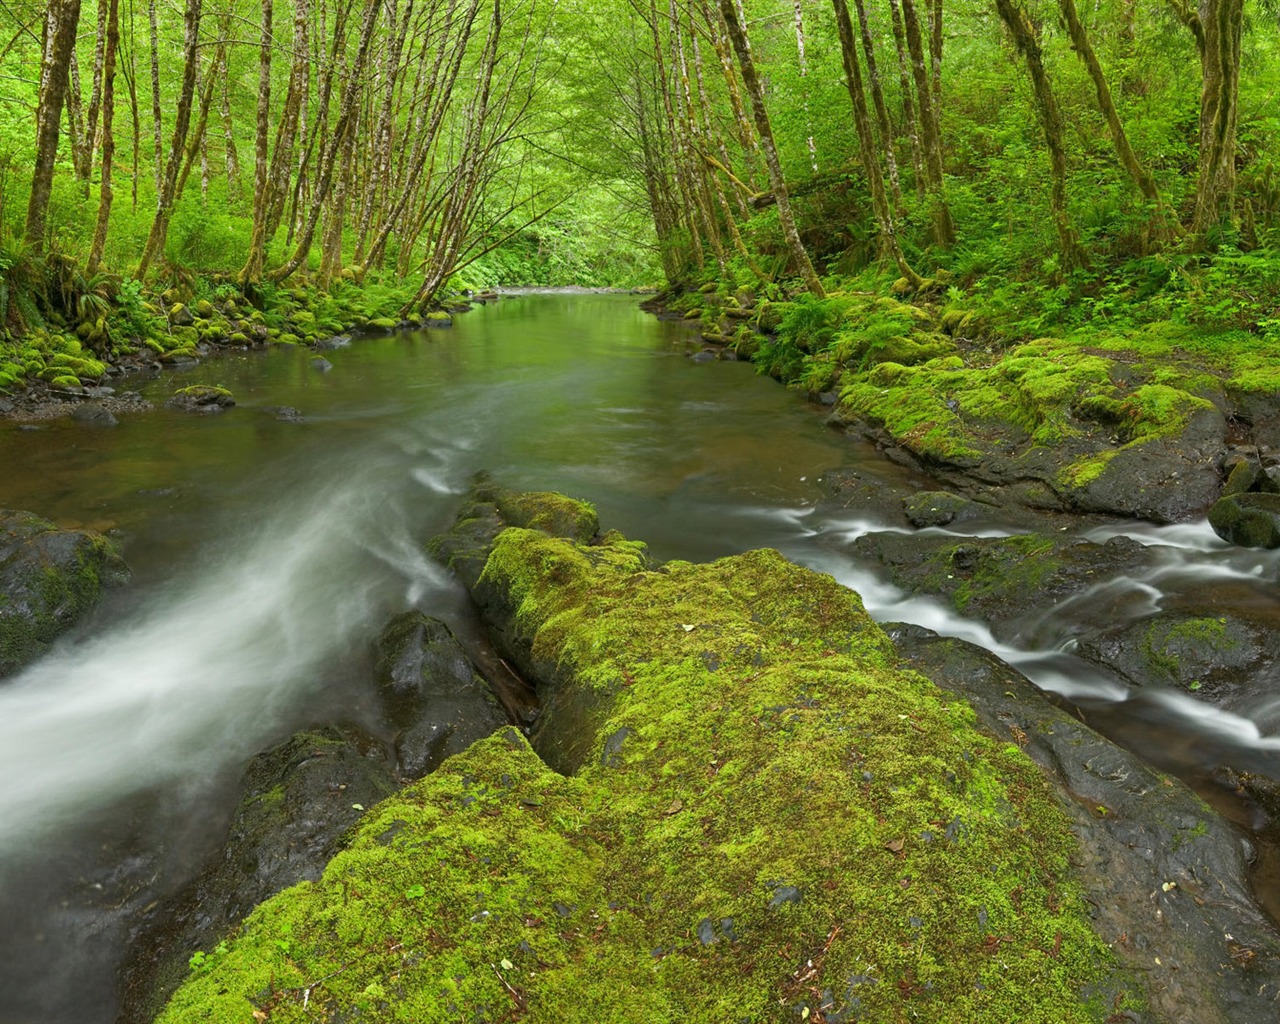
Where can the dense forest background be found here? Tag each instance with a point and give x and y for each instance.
(1048, 163)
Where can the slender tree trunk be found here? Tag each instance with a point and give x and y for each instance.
(877, 99)
(130, 72)
(804, 77)
(324, 179)
(1084, 50)
(286, 136)
(155, 96)
(196, 139)
(746, 64)
(106, 193)
(944, 229)
(60, 22)
(909, 115)
(1027, 40)
(95, 95)
(870, 162)
(251, 272)
(182, 121)
(224, 110)
(80, 146)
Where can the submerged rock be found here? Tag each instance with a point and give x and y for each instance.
(432, 695)
(49, 578)
(940, 508)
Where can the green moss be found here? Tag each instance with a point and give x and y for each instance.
(767, 798)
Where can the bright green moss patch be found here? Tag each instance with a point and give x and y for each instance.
(772, 822)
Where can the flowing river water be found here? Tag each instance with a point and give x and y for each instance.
(268, 554)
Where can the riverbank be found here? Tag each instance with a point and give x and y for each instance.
(1145, 422)
(63, 356)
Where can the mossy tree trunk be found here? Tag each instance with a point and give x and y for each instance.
(1084, 50)
(931, 132)
(1026, 38)
(910, 116)
(60, 22)
(755, 92)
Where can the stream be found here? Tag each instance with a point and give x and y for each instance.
(268, 554)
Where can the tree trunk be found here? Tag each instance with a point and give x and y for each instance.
(158, 168)
(251, 272)
(1084, 49)
(324, 179)
(182, 122)
(60, 22)
(228, 134)
(1221, 23)
(909, 115)
(944, 229)
(196, 139)
(764, 129)
(95, 96)
(277, 187)
(870, 162)
(1027, 40)
(106, 193)
(80, 146)
(877, 99)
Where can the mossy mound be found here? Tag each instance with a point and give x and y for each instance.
(772, 821)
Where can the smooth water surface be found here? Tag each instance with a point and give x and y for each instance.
(268, 554)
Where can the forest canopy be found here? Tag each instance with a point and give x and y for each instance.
(1059, 162)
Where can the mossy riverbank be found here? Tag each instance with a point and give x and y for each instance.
(1134, 421)
(64, 351)
(764, 817)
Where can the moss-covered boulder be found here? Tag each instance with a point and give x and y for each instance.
(769, 820)
(203, 398)
(939, 508)
(431, 693)
(1251, 520)
(49, 578)
(1224, 658)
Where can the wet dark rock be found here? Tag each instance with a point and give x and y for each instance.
(1168, 878)
(6, 407)
(284, 413)
(1000, 580)
(94, 415)
(939, 508)
(567, 721)
(299, 799)
(337, 341)
(321, 364)
(431, 693)
(201, 398)
(1216, 656)
(49, 579)
(704, 356)
(1251, 520)
(99, 392)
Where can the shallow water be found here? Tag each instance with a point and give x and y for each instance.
(268, 554)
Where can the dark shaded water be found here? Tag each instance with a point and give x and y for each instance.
(268, 555)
